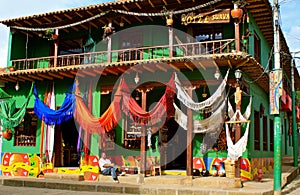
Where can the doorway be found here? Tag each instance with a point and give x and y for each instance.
(175, 147)
(65, 147)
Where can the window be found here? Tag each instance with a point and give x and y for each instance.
(256, 130)
(265, 133)
(25, 133)
(256, 47)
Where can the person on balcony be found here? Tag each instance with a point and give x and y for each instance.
(108, 168)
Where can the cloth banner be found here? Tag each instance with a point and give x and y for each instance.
(52, 116)
(213, 101)
(9, 117)
(236, 150)
(209, 124)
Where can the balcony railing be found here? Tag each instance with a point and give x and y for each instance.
(142, 53)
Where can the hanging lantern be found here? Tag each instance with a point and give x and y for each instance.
(7, 134)
(169, 22)
(237, 12)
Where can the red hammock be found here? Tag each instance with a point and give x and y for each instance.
(112, 115)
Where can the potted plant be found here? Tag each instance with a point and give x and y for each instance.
(11, 68)
(50, 34)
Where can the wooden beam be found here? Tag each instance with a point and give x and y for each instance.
(111, 71)
(91, 14)
(37, 21)
(160, 67)
(125, 19)
(202, 66)
(179, 1)
(243, 63)
(100, 71)
(123, 70)
(77, 73)
(45, 76)
(148, 68)
(138, 5)
(9, 79)
(35, 77)
(69, 17)
(26, 78)
(29, 23)
(165, 2)
(67, 75)
(188, 66)
(58, 18)
(229, 63)
(124, 6)
(78, 14)
(19, 79)
(55, 75)
(174, 67)
(88, 73)
(141, 21)
(93, 24)
(47, 19)
(152, 5)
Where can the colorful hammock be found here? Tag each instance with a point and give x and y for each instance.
(112, 115)
(163, 108)
(8, 115)
(54, 117)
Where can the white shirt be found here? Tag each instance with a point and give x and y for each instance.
(102, 162)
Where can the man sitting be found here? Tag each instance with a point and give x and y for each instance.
(108, 168)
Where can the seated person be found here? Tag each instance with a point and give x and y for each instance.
(108, 168)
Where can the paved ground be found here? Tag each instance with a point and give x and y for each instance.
(155, 185)
(9, 190)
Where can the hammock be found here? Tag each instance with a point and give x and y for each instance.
(10, 118)
(162, 109)
(213, 101)
(104, 123)
(209, 124)
(112, 115)
(54, 117)
(236, 150)
(242, 117)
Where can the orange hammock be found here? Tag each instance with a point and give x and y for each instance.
(112, 115)
(92, 124)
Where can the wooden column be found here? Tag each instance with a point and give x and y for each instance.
(109, 45)
(237, 132)
(237, 36)
(143, 136)
(189, 140)
(55, 49)
(171, 32)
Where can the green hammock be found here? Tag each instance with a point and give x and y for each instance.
(9, 118)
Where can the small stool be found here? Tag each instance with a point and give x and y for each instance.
(154, 168)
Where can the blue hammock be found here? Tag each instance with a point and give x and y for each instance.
(55, 117)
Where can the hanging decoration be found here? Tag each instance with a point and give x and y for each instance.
(209, 124)
(213, 101)
(54, 117)
(162, 109)
(61, 27)
(9, 117)
(106, 122)
(236, 150)
(174, 12)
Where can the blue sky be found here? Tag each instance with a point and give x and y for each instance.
(290, 22)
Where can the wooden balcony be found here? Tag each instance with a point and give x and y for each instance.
(132, 54)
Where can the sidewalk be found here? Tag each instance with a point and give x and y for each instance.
(160, 185)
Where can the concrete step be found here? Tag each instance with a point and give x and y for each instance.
(295, 184)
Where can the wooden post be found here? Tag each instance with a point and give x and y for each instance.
(189, 140)
(237, 36)
(55, 48)
(171, 32)
(237, 132)
(143, 137)
(109, 45)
